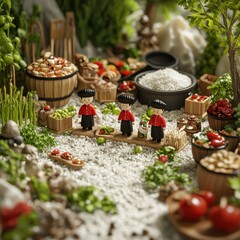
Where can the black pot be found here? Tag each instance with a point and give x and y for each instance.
(173, 99)
(159, 59)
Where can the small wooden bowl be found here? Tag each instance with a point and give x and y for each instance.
(217, 123)
(215, 182)
(200, 152)
(232, 141)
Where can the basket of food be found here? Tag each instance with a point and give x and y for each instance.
(53, 78)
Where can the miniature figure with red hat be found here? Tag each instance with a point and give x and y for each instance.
(126, 116)
(87, 111)
(157, 122)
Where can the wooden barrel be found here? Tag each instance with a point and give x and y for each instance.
(55, 91)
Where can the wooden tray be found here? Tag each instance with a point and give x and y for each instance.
(68, 163)
(200, 230)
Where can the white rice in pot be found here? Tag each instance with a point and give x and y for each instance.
(165, 80)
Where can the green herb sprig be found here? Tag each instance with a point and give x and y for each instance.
(11, 164)
(90, 199)
(42, 139)
(40, 189)
(167, 150)
(160, 174)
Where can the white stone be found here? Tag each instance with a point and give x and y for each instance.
(9, 195)
(186, 43)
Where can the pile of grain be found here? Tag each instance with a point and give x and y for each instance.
(165, 80)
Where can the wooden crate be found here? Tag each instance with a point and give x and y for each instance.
(106, 93)
(195, 107)
(205, 81)
(43, 117)
(60, 125)
(176, 138)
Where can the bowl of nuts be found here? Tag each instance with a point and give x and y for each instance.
(206, 143)
(213, 172)
(53, 78)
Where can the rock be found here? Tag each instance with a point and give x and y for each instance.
(224, 67)
(10, 130)
(186, 43)
(29, 149)
(10, 195)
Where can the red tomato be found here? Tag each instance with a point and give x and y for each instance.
(213, 135)
(217, 143)
(163, 158)
(10, 215)
(100, 64)
(47, 108)
(192, 207)
(194, 96)
(101, 71)
(66, 155)
(123, 86)
(126, 72)
(55, 152)
(225, 219)
(119, 64)
(208, 196)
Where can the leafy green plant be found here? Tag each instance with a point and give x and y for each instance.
(14, 106)
(89, 199)
(11, 164)
(235, 185)
(222, 88)
(24, 23)
(160, 174)
(41, 139)
(40, 189)
(9, 54)
(167, 150)
(222, 18)
(103, 23)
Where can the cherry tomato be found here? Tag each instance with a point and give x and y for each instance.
(163, 158)
(192, 207)
(225, 219)
(208, 196)
(55, 152)
(213, 135)
(194, 96)
(123, 86)
(47, 108)
(126, 72)
(119, 64)
(10, 215)
(101, 71)
(217, 143)
(66, 155)
(100, 64)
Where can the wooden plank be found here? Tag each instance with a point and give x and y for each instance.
(68, 163)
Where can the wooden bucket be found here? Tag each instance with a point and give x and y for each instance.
(55, 91)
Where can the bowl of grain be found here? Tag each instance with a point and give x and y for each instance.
(166, 84)
(214, 171)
